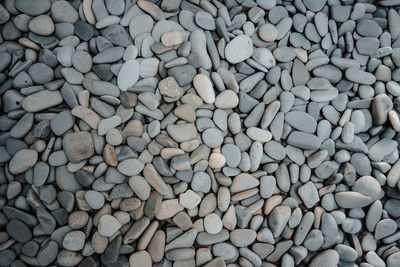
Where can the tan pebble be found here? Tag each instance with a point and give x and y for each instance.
(192, 99)
(78, 146)
(110, 157)
(244, 194)
(88, 12)
(189, 146)
(183, 220)
(216, 160)
(168, 153)
(106, 209)
(223, 198)
(166, 141)
(185, 112)
(268, 32)
(87, 115)
(133, 127)
(212, 223)
(229, 219)
(156, 246)
(204, 88)
(243, 181)
(271, 203)
(169, 208)
(78, 219)
(172, 38)
(129, 204)
(140, 259)
(394, 120)
(152, 9)
(145, 239)
(199, 225)
(99, 243)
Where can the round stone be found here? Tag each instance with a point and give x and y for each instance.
(81, 61)
(268, 32)
(239, 49)
(108, 225)
(42, 25)
(74, 240)
(140, 259)
(212, 223)
(94, 199)
(212, 137)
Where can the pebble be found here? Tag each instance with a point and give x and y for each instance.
(42, 25)
(128, 74)
(239, 49)
(212, 223)
(41, 100)
(204, 88)
(78, 146)
(22, 161)
(108, 225)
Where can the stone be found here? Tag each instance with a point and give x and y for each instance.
(212, 223)
(108, 225)
(22, 161)
(74, 240)
(42, 25)
(78, 146)
(239, 49)
(128, 74)
(204, 88)
(41, 100)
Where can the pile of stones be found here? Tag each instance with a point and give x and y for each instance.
(199, 133)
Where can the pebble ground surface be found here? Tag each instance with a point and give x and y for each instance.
(179, 133)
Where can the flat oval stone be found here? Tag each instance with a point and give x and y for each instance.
(128, 74)
(22, 161)
(239, 49)
(40, 73)
(74, 240)
(304, 140)
(42, 25)
(212, 137)
(204, 88)
(63, 11)
(352, 200)
(359, 76)
(19, 231)
(226, 99)
(284, 54)
(42, 100)
(32, 7)
(302, 121)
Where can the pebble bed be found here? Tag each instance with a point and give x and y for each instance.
(179, 133)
